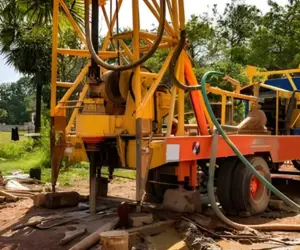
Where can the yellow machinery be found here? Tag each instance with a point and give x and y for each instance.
(119, 115)
(124, 116)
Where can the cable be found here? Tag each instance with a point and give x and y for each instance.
(118, 41)
(173, 62)
(143, 59)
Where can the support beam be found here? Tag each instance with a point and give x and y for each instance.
(291, 81)
(277, 112)
(138, 97)
(92, 198)
(73, 22)
(54, 54)
(223, 110)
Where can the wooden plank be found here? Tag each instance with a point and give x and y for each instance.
(94, 238)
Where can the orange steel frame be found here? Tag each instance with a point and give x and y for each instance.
(280, 148)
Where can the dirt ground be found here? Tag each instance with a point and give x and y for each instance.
(19, 212)
(32, 238)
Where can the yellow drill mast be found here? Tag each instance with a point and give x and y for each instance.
(115, 111)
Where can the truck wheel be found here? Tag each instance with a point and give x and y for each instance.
(155, 191)
(224, 185)
(248, 193)
(237, 192)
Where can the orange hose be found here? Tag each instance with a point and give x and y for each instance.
(196, 97)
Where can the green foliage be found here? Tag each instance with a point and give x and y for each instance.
(13, 102)
(276, 44)
(15, 150)
(69, 66)
(39, 12)
(44, 143)
(203, 45)
(3, 115)
(25, 41)
(236, 26)
(157, 60)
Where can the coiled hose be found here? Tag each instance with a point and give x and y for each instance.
(211, 193)
(143, 59)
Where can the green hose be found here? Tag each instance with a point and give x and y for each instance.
(211, 190)
(234, 148)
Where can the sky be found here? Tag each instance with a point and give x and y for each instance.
(8, 74)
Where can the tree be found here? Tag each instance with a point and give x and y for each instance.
(13, 102)
(25, 40)
(3, 115)
(30, 54)
(69, 66)
(237, 25)
(276, 44)
(203, 45)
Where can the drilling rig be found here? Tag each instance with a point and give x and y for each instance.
(126, 116)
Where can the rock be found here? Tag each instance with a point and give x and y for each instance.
(2, 199)
(56, 200)
(276, 205)
(140, 219)
(1, 179)
(48, 187)
(279, 205)
(32, 222)
(182, 201)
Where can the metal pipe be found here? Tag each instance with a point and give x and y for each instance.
(94, 70)
(139, 138)
(92, 198)
(54, 54)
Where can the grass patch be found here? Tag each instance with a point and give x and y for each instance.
(67, 177)
(127, 173)
(28, 161)
(16, 149)
(25, 154)
(5, 137)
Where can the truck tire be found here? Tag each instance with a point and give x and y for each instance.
(249, 194)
